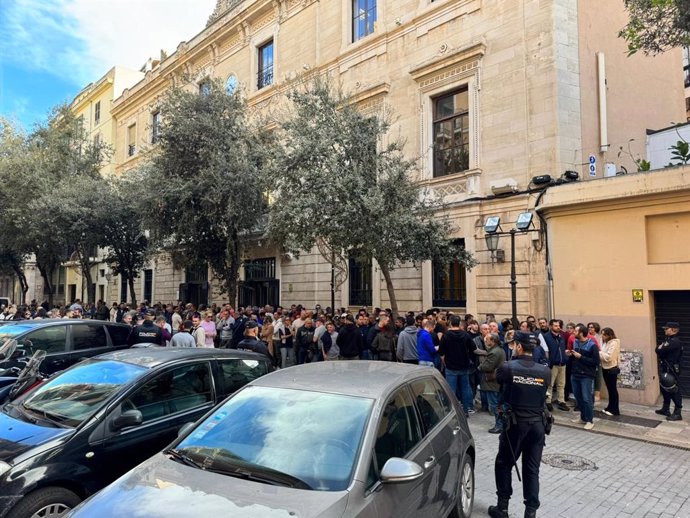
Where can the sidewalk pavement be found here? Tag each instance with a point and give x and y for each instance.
(636, 422)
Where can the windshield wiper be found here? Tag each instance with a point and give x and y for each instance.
(46, 416)
(233, 465)
(181, 457)
(263, 475)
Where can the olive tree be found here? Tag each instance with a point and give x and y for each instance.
(203, 180)
(656, 25)
(339, 178)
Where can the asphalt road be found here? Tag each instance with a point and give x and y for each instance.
(608, 476)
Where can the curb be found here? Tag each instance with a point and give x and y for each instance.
(633, 434)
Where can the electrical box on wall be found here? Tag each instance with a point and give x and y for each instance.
(610, 169)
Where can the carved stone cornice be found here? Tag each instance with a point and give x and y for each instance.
(448, 61)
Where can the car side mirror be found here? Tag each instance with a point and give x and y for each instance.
(397, 470)
(128, 418)
(185, 428)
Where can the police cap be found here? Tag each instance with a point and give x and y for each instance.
(528, 341)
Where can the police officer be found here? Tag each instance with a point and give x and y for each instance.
(523, 400)
(251, 342)
(147, 332)
(669, 355)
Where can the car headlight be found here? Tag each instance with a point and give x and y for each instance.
(4, 468)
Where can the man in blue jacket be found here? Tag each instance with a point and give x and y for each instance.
(585, 356)
(557, 361)
(425, 344)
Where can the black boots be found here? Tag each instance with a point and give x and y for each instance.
(530, 512)
(663, 410)
(675, 416)
(500, 510)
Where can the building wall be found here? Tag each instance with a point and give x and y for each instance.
(641, 91)
(530, 72)
(614, 235)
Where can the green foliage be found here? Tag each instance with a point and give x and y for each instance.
(680, 153)
(49, 191)
(643, 165)
(120, 224)
(337, 178)
(203, 191)
(15, 169)
(656, 25)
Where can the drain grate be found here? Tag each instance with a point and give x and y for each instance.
(569, 462)
(628, 419)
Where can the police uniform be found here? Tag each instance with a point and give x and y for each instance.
(669, 354)
(146, 333)
(523, 398)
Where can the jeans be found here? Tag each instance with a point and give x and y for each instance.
(426, 364)
(286, 357)
(460, 384)
(583, 388)
(598, 379)
(492, 400)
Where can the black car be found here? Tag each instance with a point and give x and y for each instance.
(65, 341)
(79, 431)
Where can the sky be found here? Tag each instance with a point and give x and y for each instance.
(51, 49)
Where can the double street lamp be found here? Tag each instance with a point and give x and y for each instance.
(492, 228)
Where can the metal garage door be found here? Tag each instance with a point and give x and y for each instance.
(674, 306)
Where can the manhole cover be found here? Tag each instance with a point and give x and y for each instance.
(569, 462)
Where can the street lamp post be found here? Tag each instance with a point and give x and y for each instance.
(492, 228)
(513, 280)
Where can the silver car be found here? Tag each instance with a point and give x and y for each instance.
(329, 439)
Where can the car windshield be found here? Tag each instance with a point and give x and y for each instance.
(309, 437)
(77, 393)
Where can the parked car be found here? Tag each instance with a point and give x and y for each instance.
(69, 437)
(65, 341)
(330, 439)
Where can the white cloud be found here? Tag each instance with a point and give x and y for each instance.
(80, 40)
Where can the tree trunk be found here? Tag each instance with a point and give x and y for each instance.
(130, 280)
(233, 268)
(48, 285)
(391, 289)
(19, 272)
(86, 272)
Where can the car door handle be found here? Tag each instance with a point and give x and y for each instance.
(456, 430)
(429, 463)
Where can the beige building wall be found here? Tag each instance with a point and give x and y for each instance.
(614, 235)
(527, 66)
(641, 91)
(94, 104)
(98, 121)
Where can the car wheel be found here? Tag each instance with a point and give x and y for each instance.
(49, 502)
(465, 500)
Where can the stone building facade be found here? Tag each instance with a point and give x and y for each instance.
(488, 94)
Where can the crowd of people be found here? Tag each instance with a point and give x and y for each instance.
(582, 357)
